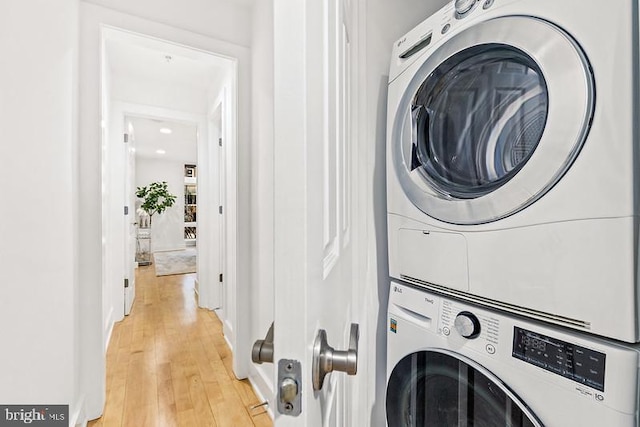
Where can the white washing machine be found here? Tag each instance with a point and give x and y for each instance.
(453, 364)
(513, 159)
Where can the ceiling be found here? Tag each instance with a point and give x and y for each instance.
(180, 144)
(165, 64)
(153, 72)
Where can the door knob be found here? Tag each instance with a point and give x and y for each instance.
(326, 359)
(262, 350)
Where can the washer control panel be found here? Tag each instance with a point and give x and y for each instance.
(478, 328)
(467, 324)
(579, 364)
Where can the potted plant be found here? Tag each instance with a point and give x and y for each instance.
(155, 200)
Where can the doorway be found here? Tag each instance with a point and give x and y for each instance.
(161, 151)
(151, 86)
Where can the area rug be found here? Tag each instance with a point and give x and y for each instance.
(175, 262)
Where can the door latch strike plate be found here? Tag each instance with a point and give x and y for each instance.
(289, 387)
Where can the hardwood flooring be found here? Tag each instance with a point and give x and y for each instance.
(169, 365)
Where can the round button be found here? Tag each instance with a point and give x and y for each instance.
(446, 331)
(467, 324)
(490, 349)
(445, 28)
(487, 4)
(464, 6)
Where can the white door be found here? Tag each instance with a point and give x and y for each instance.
(314, 254)
(130, 222)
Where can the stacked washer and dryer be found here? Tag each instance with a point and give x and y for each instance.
(513, 216)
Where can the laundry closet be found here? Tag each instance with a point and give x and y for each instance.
(512, 202)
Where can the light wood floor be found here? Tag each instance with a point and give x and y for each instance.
(168, 364)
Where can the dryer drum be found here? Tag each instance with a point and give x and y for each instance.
(478, 118)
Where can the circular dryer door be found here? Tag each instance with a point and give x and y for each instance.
(438, 388)
(492, 119)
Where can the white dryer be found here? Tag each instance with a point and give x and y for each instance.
(513, 159)
(453, 364)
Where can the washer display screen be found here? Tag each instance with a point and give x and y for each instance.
(580, 364)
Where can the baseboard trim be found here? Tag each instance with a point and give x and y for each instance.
(227, 332)
(77, 418)
(108, 329)
(262, 386)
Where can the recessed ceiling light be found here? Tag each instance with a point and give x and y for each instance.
(161, 152)
(165, 130)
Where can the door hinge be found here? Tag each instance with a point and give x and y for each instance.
(220, 142)
(220, 209)
(126, 210)
(126, 137)
(126, 283)
(220, 278)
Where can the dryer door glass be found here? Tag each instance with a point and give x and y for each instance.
(478, 118)
(437, 389)
(489, 121)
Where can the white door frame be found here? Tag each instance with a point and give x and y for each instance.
(208, 259)
(121, 110)
(208, 262)
(93, 19)
(217, 162)
(130, 220)
(208, 267)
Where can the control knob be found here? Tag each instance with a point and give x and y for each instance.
(464, 6)
(467, 324)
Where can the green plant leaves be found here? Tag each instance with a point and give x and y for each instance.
(155, 197)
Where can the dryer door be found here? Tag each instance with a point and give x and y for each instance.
(491, 119)
(438, 388)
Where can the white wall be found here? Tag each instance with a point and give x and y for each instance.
(167, 229)
(219, 19)
(262, 182)
(385, 23)
(38, 171)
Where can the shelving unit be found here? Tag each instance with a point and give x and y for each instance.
(190, 204)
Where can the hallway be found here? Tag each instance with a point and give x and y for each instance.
(169, 365)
